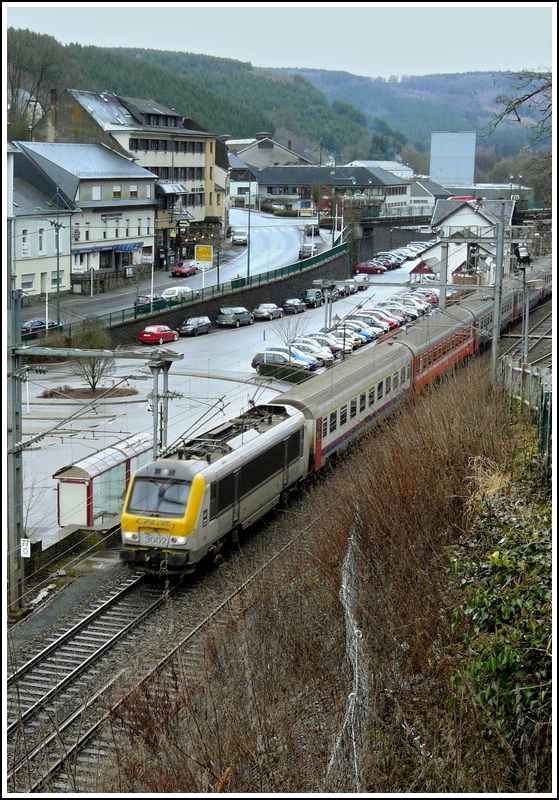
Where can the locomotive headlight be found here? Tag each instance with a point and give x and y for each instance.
(178, 539)
(130, 536)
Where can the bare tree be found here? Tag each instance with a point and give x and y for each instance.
(529, 102)
(95, 368)
(289, 327)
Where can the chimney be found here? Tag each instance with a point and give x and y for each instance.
(289, 144)
(53, 98)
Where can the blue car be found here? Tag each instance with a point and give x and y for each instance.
(294, 352)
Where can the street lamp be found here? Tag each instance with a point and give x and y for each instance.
(56, 224)
(248, 230)
(333, 202)
(312, 150)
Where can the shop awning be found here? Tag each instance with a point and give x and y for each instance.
(173, 188)
(125, 247)
(91, 249)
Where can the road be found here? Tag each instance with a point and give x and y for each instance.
(274, 242)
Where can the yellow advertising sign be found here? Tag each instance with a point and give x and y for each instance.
(204, 252)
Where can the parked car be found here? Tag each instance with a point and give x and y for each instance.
(267, 311)
(411, 313)
(410, 302)
(291, 350)
(312, 230)
(192, 326)
(392, 261)
(369, 267)
(399, 317)
(158, 334)
(308, 250)
(38, 326)
(332, 294)
(422, 301)
(326, 340)
(378, 318)
(358, 327)
(148, 302)
(179, 294)
(352, 284)
(344, 290)
(239, 236)
(293, 306)
(279, 359)
(313, 298)
(344, 335)
(430, 296)
(429, 291)
(234, 317)
(313, 348)
(368, 321)
(183, 269)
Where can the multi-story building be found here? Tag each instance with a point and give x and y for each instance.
(84, 217)
(191, 164)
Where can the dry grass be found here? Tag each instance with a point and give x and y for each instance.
(320, 683)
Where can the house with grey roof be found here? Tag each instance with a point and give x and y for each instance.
(294, 187)
(190, 163)
(467, 233)
(263, 151)
(99, 208)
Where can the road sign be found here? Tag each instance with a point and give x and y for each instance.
(204, 252)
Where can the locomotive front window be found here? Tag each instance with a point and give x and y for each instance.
(157, 498)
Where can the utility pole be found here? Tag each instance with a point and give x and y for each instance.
(496, 332)
(56, 224)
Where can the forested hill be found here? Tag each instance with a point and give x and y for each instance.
(343, 112)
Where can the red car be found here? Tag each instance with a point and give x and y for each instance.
(158, 334)
(374, 267)
(184, 269)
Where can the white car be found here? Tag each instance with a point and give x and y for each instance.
(312, 348)
(239, 236)
(326, 340)
(179, 294)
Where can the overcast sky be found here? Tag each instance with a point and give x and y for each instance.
(371, 39)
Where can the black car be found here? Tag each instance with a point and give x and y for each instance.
(192, 326)
(38, 326)
(293, 306)
(313, 298)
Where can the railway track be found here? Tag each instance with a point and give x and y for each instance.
(44, 721)
(540, 337)
(65, 703)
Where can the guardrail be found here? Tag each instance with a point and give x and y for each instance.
(217, 290)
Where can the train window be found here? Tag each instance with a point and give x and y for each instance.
(380, 390)
(261, 468)
(333, 421)
(372, 396)
(325, 427)
(363, 402)
(408, 368)
(353, 409)
(403, 374)
(294, 447)
(388, 384)
(222, 495)
(167, 498)
(396, 380)
(343, 415)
